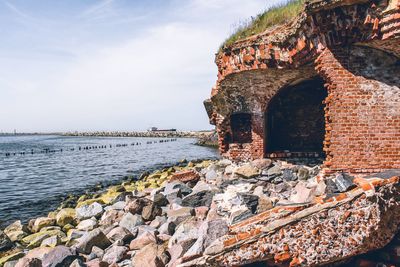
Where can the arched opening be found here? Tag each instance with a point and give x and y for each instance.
(241, 128)
(294, 119)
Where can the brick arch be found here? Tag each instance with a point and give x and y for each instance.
(294, 119)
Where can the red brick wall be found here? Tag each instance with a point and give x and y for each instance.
(362, 109)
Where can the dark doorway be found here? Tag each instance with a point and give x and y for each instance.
(294, 119)
(241, 128)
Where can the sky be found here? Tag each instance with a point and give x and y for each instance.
(103, 65)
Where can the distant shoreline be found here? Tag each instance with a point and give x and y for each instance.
(181, 134)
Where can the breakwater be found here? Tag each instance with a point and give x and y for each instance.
(158, 134)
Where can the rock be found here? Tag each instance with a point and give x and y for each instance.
(247, 171)
(198, 199)
(87, 225)
(34, 240)
(201, 212)
(261, 163)
(186, 232)
(179, 215)
(93, 238)
(173, 187)
(130, 222)
(5, 242)
(38, 253)
(274, 171)
(97, 252)
(136, 205)
(42, 222)
(15, 231)
(88, 211)
(288, 175)
(150, 212)
(115, 254)
(239, 213)
(344, 182)
(303, 173)
(148, 256)
(211, 175)
(251, 201)
(167, 228)
(12, 257)
(59, 256)
(303, 194)
(65, 216)
(158, 221)
(51, 242)
(119, 205)
(185, 176)
(10, 263)
(97, 263)
(110, 217)
(143, 240)
(78, 263)
(160, 200)
(29, 262)
(120, 233)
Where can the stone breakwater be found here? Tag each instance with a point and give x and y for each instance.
(159, 134)
(218, 213)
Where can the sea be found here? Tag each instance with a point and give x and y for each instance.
(38, 171)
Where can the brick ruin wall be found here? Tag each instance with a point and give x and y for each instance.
(355, 49)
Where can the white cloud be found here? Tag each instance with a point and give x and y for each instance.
(157, 76)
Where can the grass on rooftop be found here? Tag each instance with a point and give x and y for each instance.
(278, 14)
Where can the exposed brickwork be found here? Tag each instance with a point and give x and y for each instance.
(355, 47)
(363, 109)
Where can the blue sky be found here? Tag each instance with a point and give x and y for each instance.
(113, 64)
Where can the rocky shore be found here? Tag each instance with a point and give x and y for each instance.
(218, 213)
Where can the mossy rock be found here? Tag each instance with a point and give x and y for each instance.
(90, 201)
(116, 188)
(65, 216)
(109, 197)
(34, 240)
(12, 257)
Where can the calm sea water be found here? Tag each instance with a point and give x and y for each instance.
(33, 184)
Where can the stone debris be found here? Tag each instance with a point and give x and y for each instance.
(296, 217)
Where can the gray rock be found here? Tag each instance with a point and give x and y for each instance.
(120, 233)
(173, 186)
(274, 171)
(303, 173)
(60, 256)
(251, 201)
(5, 242)
(211, 175)
(238, 214)
(150, 212)
(167, 228)
(160, 200)
(29, 262)
(130, 221)
(198, 199)
(344, 182)
(93, 238)
(87, 225)
(179, 215)
(10, 263)
(115, 254)
(288, 175)
(88, 211)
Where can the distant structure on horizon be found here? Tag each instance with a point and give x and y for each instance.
(155, 129)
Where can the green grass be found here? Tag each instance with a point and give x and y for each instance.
(275, 15)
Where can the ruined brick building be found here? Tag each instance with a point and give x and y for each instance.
(327, 84)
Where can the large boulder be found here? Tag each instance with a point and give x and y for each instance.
(130, 221)
(5, 242)
(65, 216)
(16, 231)
(148, 256)
(60, 256)
(115, 254)
(88, 211)
(93, 238)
